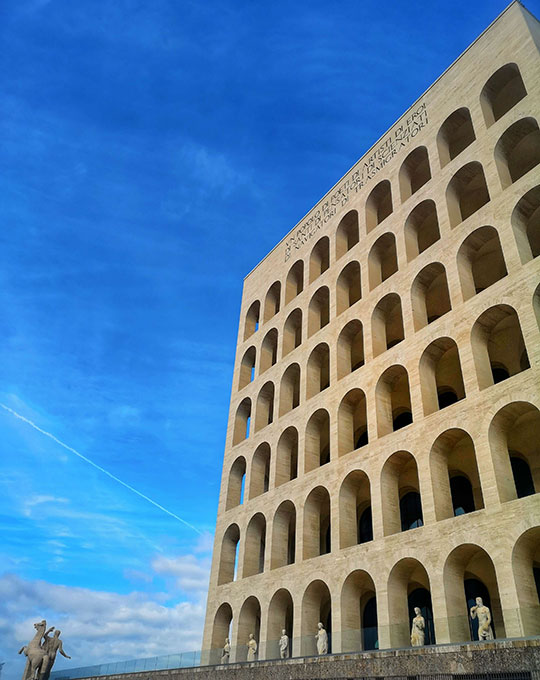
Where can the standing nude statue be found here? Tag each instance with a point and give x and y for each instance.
(252, 648)
(485, 631)
(322, 640)
(226, 651)
(284, 645)
(52, 646)
(418, 629)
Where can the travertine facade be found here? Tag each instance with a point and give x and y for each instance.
(384, 431)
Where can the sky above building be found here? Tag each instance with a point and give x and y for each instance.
(151, 154)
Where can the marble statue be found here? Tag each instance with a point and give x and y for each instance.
(41, 652)
(52, 646)
(226, 651)
(284, 645)
(252, 648)
(322, 640)
(485, 631)
(418, 629)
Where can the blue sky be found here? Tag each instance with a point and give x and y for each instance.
(151, 153)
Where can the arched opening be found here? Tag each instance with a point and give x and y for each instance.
(480, 261)
(441, 379)
(272, 301)
(455, 135)
(320, 258)
(357, 594)
(252, 319)
(247, 368)
(526, 225)
(517, 151)
(318, 370)
(498, 346)
(255, 546)
(350, 348)
(347, 235)
(242, 421)
(514, 433)
(352, 422)
(402, 509)
(409, 587)
(280, 617)
(292, 331)
(454, 475)
(229, 555)
(287, 456)
(269, 350)
(265, 406)
(235, 489)
(319, 310)
(469, 573)
(421, 229)
(382, 260)
(316, 608)
(430, 295)
(387, 323)
(221, 630)
(317, 539)
(289, 393)
(348, 288)
(502, 92)
(378, 205)
(249, 622)
(526, 567)
(414, 172)
(393, 400)
(260, 471)
(467, 192)
(317, 444)
(284, 536)
(355, 522)
(294, 284)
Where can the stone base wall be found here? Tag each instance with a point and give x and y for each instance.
(441, 662)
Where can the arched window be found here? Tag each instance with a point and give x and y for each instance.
(430, 295)
(272, 301)
(526, 225)
(526, 568)
(393, 400)
(378, 204)
(352, 422)
(317, 523)
(280, 617)
(249, 622)
(295, 281)
(265, 406)
(355, 524)
(382, 260)
(455, 135)
(467, 192)
(399, 481)
(348, 288)
(410, 510)
(409, 587)
(480, 261)
(316, 608)
(502, 92)
(255, 546)
(242, 421)
(269, 350)
(319, 310)
(260, 471)
(235, 489)
(421, 229)
(350, 348)
(247, 368)
(414, 172)
(318, 370)
(220, 630)
(287, 456)
(518, 150)
(498, 347)
(284, 536)
(289, 393)
(387, 324)
(317, 444)
(229, 555)
(292, 332)
(252, 319)
(358, 612)
(441, 379)
(320, 258)
(347, 235)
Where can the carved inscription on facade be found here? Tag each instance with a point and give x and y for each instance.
(360, 175)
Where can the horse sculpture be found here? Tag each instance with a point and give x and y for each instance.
(37, 657)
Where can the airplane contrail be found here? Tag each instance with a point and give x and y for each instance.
(98, 467)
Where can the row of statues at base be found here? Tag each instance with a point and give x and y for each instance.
(41, 652)
(418, 634)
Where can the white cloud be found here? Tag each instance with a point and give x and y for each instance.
(189, 573)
